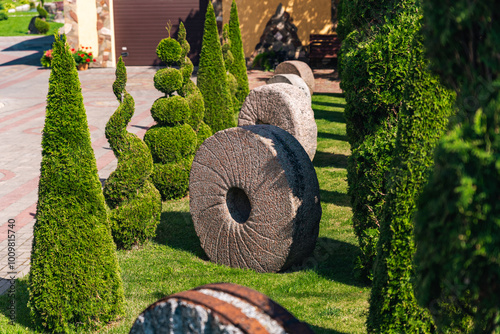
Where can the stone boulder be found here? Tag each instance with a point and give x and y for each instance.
(285, 106)
(299, 68)
(254, 199)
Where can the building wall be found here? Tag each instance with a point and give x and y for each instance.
(310, 17)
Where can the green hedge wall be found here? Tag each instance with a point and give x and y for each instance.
(212, 80)
(74, 281)
(457, 230)
(134, 202)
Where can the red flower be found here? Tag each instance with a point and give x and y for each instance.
(72, 50)
(93, 60)
(90, 53)
(87, 60)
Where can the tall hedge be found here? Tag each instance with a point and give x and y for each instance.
(457, 229)
(180, 129)
(238, 68)
(212, 80)
(74, 281)
(423, 119)
(375, 66)
(134, 201)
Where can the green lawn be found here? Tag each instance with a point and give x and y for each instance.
(323, 292)
(18, 22)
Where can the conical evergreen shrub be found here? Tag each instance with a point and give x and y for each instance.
(134, 201)
(238, 67)
(74, 281)
(457, 229)
(180, 129)
(228, 61)
(212, 80)
(423, 118)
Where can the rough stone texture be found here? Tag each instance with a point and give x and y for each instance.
(106, 57)
(291, 79)
(218, 308)
(299, 68)
(254, 198)
(71, 25)
(285, 106)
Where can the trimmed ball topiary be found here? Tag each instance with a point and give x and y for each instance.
(171, 143)
(189, 88)
(172, 179)
(170, 110)
(168, 80)
(169, 51)
(134, 202)
(42, 26)
(74, 280)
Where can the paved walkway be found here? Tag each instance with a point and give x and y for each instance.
(23, 91)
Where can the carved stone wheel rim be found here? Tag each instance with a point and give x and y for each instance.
(244, 210)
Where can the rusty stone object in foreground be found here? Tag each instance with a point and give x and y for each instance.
(285, 106)
(299, 68)
(254, 199)
(291, 79)
(218, 308)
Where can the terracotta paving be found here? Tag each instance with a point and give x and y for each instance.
(23, 90)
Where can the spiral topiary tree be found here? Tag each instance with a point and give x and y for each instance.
(238, 67)
(457, 229)
(180, 129)
(74, 281)
(212, 78)
(134, 201)
(228, 61)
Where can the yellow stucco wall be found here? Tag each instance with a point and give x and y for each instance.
(310, 17)
(87, 25)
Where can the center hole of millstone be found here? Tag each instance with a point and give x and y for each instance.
(260, 122)
(238, 204)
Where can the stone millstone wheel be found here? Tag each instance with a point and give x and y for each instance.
(218, 308)
(291, 79)
(254, 199)
(285, 106)
(299, 68)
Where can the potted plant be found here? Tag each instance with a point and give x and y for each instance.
(46, 59)
(83, 57)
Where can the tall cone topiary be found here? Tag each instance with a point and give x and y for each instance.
(457, 228)
(180, 129)
(228, 61)
(212, 80)
(423, 118)
(238, 67)
(134, 201)
(74, 281)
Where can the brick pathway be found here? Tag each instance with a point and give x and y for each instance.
(23, 91)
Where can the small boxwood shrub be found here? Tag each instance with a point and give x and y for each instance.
(170, 143)
(74, 280)
(42, 26)
(170, 110)
(168, 80)
(134, 202)
(42, 12)
(169, 51)
(238, 67)
(173, 177)
(457, 229)
(212, 79)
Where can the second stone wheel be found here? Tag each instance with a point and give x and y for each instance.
(254, 198)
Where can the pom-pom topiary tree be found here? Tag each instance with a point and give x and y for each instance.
(134, 201)
(212, 79)
(180, 129)
(457, 229)
(74, 281)
(238, 67)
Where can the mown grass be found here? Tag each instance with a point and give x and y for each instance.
(323, 291)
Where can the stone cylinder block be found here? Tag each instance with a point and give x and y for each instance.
(284, 106)
(291, 79)
(216, 309)
(299, 68)
(254, 198)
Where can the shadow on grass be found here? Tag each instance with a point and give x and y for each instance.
(329, 104)
(176, 230)
(328, 115)
(335, 197)
(325, 159)
(321, 330)
(332, 136)
(333, 260)
(22, 315)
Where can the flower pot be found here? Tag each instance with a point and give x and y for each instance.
(82, 67)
